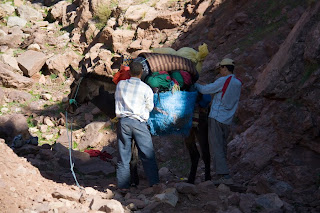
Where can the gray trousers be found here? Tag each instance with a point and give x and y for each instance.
(217, 136)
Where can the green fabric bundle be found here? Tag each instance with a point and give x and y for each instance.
(178, 77)
(161, 80)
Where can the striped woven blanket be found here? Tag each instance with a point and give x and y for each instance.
(166, 62)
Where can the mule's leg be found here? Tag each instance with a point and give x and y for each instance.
(134, 164)
(202, 135)
(194, 154)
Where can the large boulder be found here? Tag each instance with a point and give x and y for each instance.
(31, 62)
(7, 8)
(29, 14)
(14, 95)
(137, 13)
(83, 14)
(10, 79)
(13, 125)
(168, 20)
(10, 60)
(63, 12)
(122, 39)
(11, 40)
(58, 63)
(16, 21)
(105, 37)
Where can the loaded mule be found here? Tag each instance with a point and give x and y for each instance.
(99, 89)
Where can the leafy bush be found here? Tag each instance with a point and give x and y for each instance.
(102, 16)
(53, 76)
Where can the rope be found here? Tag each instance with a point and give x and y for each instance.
(73, 100)
(70, 149)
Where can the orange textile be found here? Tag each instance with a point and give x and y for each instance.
(122, 74)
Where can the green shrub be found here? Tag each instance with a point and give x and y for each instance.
(35, 96)
(17, 52)
(30, 121)
(102, 16)
(53, 76)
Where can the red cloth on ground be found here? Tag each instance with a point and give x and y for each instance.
(97, 153)
(93, 153)
(105, 155)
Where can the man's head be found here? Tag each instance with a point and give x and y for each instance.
(226, 66)
(136, 69)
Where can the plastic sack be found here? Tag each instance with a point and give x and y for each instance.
(189, 53)
(193, 55)
(164, 50)
(196, 57)
(172, 113)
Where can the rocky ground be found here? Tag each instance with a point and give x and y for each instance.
(37, 178)
(274, 147)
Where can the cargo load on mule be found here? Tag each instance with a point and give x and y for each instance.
(171, 75)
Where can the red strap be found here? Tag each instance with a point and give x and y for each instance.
(225, 86)
(239, 80)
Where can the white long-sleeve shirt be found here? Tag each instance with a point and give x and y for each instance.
(226, 97)
(134, 99)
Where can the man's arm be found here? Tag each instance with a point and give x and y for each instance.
(210, 88)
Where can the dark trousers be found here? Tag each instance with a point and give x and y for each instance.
(199, 132)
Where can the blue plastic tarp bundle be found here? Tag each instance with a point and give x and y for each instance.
(172, 113)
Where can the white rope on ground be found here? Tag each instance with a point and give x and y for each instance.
(70, 151)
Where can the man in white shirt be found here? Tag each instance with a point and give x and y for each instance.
(226, 91)
(134, 102)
